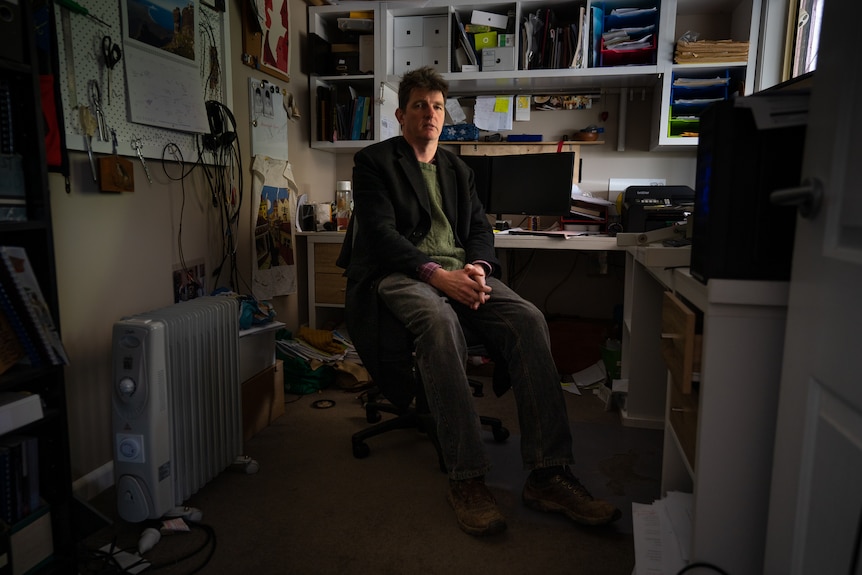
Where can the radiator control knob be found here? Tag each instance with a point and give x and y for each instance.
(127, 386)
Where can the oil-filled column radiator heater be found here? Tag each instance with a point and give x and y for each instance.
(177, 414)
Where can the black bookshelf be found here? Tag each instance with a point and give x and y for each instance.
(22, 141)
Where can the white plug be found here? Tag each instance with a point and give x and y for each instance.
(148, 539)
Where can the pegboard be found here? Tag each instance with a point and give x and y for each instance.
(88, 65)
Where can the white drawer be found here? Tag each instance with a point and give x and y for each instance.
(435, 30)
(408, 31)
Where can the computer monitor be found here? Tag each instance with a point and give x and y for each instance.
(527, 184)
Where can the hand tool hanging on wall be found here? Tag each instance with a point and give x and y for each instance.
(96, 101)
(138, 145)
(111, 54)
(76, 8)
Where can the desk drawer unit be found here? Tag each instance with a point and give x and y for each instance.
(329, 284)
(681, 350)
(680, 345)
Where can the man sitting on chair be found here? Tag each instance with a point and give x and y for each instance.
(420, 242)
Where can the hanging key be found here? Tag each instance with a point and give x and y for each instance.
(139, 146)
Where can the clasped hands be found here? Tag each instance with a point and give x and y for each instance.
(466, 286)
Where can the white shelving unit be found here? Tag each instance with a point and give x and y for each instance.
(718, 441)
(323, 21)
(713, 19)
(737, 20)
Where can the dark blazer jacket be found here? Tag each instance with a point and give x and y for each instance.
(391, 216)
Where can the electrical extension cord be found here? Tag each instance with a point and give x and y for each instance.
(187, 513)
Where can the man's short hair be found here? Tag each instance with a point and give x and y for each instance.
(425, 78)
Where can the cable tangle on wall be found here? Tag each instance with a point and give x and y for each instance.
(219, 157)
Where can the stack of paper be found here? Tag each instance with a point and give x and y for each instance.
(710, 51)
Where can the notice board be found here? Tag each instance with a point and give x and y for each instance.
(173, 60)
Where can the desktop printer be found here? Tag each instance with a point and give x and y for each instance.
(647, 208)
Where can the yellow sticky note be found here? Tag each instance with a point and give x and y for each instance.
(501, 104)
(522, 109)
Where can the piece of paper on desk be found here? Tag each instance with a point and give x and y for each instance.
(493, 113)
(576, 195)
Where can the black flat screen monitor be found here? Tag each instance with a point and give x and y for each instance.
(528, 184)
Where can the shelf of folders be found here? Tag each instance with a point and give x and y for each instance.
(692, 92)
(344, 113)
(605, 34)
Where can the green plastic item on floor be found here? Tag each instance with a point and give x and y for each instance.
(300, 379)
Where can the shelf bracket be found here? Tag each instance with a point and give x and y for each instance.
(621, 119)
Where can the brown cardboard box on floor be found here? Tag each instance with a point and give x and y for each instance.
(277, 392)
(257, 402)
(262, 399)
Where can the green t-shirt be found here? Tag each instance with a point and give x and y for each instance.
(439, 244)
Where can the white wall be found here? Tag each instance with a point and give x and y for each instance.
(116, 252)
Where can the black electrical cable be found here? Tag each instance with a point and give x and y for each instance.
(701, 565)
(560, 283)
(209, 541)
(190, 277)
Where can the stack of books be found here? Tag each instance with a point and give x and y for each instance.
(27, 329)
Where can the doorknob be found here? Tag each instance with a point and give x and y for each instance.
(806, 197)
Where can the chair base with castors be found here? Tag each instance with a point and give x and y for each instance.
(413, 417)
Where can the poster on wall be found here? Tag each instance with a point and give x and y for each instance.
(162, 62)
(275, 193)
(266, 37)
(276, 37)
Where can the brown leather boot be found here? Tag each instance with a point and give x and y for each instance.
(561, 492)
(475, 507)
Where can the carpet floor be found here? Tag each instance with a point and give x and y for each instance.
(312, 508)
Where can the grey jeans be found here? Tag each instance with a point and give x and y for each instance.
(518, 331)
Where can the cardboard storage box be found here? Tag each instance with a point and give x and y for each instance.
(498, 58)
(262, 399)
(489, 19)
(277, 409)
(258, 396)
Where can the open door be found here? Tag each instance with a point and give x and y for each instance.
(815, 515)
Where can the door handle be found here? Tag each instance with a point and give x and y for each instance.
(808, 197)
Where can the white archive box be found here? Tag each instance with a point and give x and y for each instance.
(499, 58)
(489, 19)
(257, 349)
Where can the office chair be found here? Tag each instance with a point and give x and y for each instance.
(396, 367)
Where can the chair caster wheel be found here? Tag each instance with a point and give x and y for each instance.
(372, 416)
(361, 450)
(501, 434)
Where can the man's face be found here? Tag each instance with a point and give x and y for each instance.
(424, 116)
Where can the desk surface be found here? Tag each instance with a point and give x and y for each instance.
(586, 243)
